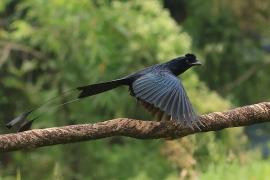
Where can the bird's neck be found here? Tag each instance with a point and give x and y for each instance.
(176, 67)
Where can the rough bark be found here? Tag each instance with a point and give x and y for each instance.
(242, 116)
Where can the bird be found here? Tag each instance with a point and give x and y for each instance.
(157, 88)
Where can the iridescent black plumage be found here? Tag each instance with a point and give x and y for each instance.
(156, 87)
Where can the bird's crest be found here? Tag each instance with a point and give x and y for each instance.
(190, 56)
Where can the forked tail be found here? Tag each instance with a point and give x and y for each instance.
(22, 123)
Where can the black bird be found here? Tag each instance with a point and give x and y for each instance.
(156, 87)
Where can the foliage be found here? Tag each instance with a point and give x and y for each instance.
(48, 47)
(232, 42)
(254, 170)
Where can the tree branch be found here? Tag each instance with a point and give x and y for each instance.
(8, 46)
(243, 116)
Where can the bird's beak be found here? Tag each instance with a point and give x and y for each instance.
(196, 63)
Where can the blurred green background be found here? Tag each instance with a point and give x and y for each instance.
(49, 46)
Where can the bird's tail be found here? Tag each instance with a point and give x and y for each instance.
(23, 123)
(93, 89)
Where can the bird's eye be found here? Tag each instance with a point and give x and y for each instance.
(187, 61)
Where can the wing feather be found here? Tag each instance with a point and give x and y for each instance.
(175, 105)
(165, 92)
(156, 99)
(153, 95)
(169, 106)
(145, 92)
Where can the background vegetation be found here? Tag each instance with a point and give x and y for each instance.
(50, 46)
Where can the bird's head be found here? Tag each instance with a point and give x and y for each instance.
(183, 63)
(191, 60)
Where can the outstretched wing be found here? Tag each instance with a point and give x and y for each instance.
(165, 92)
